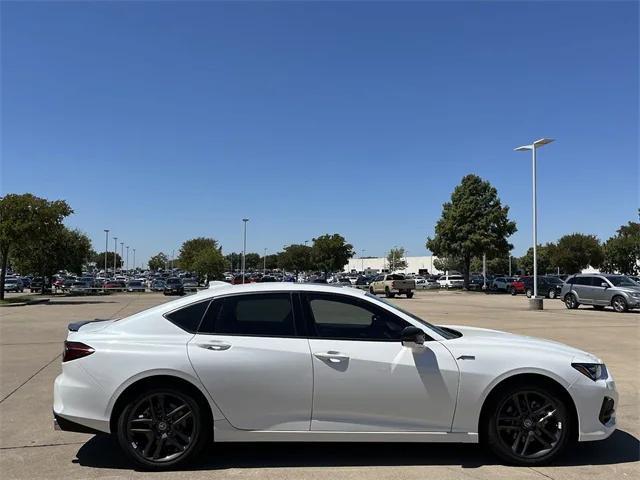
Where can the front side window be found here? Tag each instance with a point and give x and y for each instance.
(268, 315)
(347, 318)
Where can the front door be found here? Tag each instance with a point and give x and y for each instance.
(366, 380)
(257, 371)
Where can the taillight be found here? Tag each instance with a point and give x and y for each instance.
(75, 350)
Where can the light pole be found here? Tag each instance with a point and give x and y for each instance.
(535, 303)
(127, 267)
(121, 256)
(115, 253)
(362, 260)
(173, 255)
(134, 259)
(106, 249)
(244, 246)
(264, 265)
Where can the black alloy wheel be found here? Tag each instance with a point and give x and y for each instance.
(570, 301)
(619, 304)
(530, 426)
(161, 428)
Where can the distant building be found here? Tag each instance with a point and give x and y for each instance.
(415, 265)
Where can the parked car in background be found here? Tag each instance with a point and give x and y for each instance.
(427, 283)
(135, 286)
(451, 281)
(601, 291)
(114, 285)
(190, 284)
(547, 286)
(13, 284)
(501, 284)
(517, 286)
(37, 284)
(157, 285)
(477, 283)
(80, 287)
(173, 286)
(392, 284)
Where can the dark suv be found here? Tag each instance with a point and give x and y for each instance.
(173, 286)
(547, 286)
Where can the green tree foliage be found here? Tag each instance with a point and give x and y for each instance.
(295, 258)
(191, 248)
(272, 261)
(448, 264)
(544, 255)
(208, 262)
(396, 259)
(497, 265)
(330, 253)
(473, 223)
(233, 261)
(158, 262)
(64, 249)
(27, 221)
(622, 251)
(252, 261)
(574, 252)
(98, 258)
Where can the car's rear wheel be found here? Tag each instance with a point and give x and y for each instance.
(529, 425)
(162, 427)
(619, 304)
(570, 301)
(409, 294)
(512, 290)
(552, 294)
(529, 293)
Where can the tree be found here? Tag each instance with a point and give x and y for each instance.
(330, 253)
(473, 223)
(272, 261)
(158, 261)
(252, 261)
(544, 254)
(98, 259)
(396, 259)
(574, 252)
(234, 261)
(622, 251)
(295, 257)
(191, 248)
(208, 262)
(447, 264)
(27, 220)
(64, 249)
(496, 265)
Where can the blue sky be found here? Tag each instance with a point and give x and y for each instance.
(163, 121)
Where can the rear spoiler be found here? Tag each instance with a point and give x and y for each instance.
(75, 326)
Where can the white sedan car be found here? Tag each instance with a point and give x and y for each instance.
(309, 362)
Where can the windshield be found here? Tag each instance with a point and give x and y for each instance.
(439, 330)
(621, 281)
(555, 280)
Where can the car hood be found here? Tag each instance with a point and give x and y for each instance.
(487, 337)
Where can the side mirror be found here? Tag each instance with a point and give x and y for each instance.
(411, 335)
(604, 284)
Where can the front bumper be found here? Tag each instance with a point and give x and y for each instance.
(595, 404)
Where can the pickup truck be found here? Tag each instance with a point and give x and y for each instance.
(392, 284)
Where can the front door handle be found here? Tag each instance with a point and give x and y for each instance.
(215, 346)
(332, 356)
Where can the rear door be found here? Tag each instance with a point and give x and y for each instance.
(250, 356)
(583, 287)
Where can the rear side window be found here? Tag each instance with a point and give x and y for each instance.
(582, 281)
(188, 318)
(269, 315)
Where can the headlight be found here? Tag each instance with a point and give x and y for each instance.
(635, 294)
(595, 371)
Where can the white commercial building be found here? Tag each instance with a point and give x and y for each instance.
(415, 265)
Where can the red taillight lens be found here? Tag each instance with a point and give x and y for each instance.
(75, 350)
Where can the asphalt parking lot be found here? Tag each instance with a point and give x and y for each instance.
(31, 342)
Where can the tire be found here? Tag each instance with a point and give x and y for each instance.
(371, 291)
(619, 304)
(409, 294)
(387, 293)
(570, 301)
(512, 291)
(552, 294)
(529, 293)
(598, 307)
(529, 425)
(181, 435)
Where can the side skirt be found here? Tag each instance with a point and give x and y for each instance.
(224, 432)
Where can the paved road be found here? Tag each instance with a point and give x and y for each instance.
(31, 341)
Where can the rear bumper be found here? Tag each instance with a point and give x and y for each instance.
(66, 425)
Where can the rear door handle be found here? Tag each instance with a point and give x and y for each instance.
(331, 356)
(215, 346)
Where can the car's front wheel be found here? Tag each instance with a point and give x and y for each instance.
(529, 425)
(162, 427)
(619, 304)
(529, 293)
(552, 294)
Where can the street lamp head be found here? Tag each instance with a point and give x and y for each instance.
(542, 141)
(106, 230)
(245, 219)
(523, 148)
